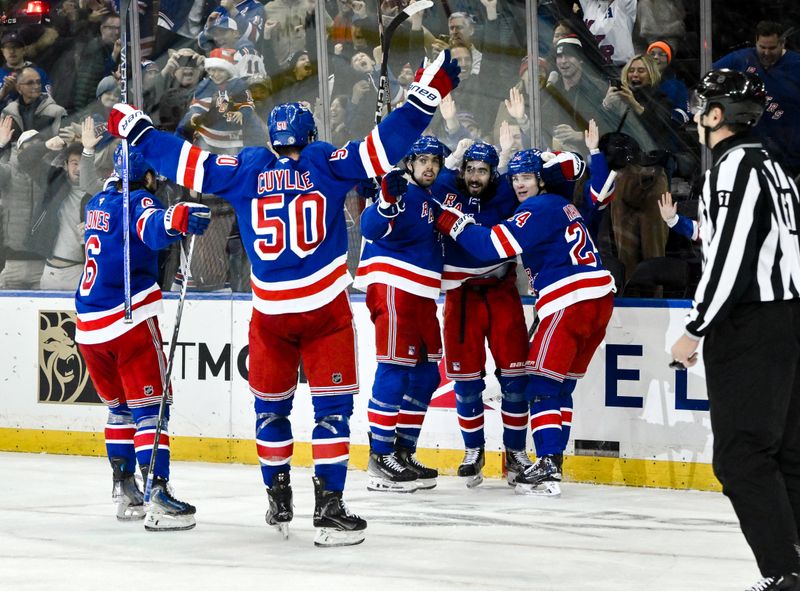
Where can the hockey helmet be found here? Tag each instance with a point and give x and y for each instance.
(526, 161)
(137, 165)
(483, 152)
(741, 95)
(428, 144)
(620, 149)
(292, 124)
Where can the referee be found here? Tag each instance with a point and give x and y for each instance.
(747, 308)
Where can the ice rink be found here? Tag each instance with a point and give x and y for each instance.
(58, 532)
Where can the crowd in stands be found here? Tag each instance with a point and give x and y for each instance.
(213, 70)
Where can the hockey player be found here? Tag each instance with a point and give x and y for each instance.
(290, 210)
(125, 361)
(482, 303)
(574, 303)
(401, 270)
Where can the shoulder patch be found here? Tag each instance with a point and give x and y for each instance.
(227, 160)
(339, 154)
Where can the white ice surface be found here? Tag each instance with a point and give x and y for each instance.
(58, 532)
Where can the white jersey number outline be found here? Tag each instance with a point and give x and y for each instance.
(583, 251)
(307, 230)
(90, 267)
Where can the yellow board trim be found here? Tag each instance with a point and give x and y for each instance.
(598, 470)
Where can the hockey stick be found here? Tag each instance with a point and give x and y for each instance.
(162, 406)
(124, 8)
(386, 40)
(607, 186)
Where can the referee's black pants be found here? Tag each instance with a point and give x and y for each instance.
(752, 360)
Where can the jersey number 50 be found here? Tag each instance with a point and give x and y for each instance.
(306, 230)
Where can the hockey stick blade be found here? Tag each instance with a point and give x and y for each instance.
(386, 40)
(401, 17)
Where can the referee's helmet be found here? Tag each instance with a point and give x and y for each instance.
(741, 95)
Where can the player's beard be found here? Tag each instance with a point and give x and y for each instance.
(422, 182)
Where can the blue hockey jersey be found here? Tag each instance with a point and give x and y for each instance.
(404, 252)
(561, 260)
(779, 126)
(216, 103)
(459, 264)
(290, 213)
(100, 298)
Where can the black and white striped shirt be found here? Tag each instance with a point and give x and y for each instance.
(749, 213)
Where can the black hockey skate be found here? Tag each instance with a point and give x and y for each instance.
(784, 583)
(542, 478)
(517, 461)
(426, 477)
(337, 526)
(280, 510)
(125, 493)
(387, 474)
(471, 466)
(165, 512)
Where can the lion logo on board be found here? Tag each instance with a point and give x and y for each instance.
(63, 377)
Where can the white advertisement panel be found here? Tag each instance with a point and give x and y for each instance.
(630, 403)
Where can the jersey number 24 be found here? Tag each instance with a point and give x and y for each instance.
(583, 250)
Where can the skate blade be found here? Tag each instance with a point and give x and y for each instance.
(511, 477)
(473, 481)
(376, 484)
(163, 522)
(130, 512)
(283, 529)
(543, 489)
(426, 483)
(328, 537)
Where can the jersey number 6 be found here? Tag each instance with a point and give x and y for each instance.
(90, 266)
(306, 214)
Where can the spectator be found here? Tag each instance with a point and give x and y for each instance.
(779, 68)
(458, 125)
(644, 115)
(152, 87)
(675, 90)
(636, 105)
(249, 17)
(223, 31)
(220, 31)
(179, 23)
(21, 200)
(30, 113)
(289, 33)
(341, 29)
(548, 71)
(297, 81)
(512, 110)
(181, 74)
(340, 114)
(58, 231)
(99, 59)
(611, 22)
(221, 112)
(661, 20)
(14, 55)
(32, 109)
(570, 102)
